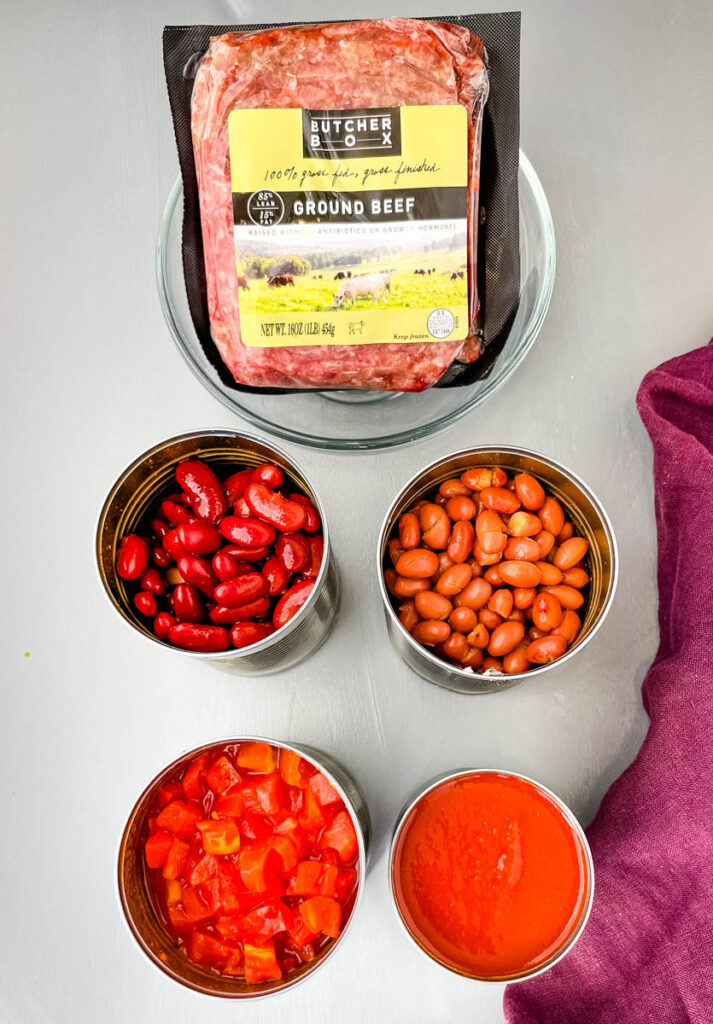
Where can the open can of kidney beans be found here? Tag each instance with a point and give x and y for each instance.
(149, 479)
(581, 507)
(138, 900)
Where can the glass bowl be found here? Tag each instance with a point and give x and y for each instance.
(362, 421)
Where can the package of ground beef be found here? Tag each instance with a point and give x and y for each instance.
(333, 202)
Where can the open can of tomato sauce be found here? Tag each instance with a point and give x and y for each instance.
(242, 864)
(491, 875)
(131, 504)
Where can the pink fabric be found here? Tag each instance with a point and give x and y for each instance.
(646, 956)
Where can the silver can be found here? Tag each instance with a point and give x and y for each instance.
(590, 521)
(578, 831)
(149, 478)
(135, 900)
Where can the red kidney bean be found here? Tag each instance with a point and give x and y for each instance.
(524, 524)
(460, 546)
(577, 578)
(475, 594)
(199, 538)
(545, 542)
(409, 532)
(241, 589)
(431, 605)
(248, 533)
(145, 603)
(452, 488)
(312, 521)
(133, 557)
(491, 532)
(291, 602)
(492, 664)
(293, 551)
(242, 509)
(152, 581)
(565, 533)
(570, 552)
(316, 552)
(530, 491)
(516, 615)
(395, 549)
(551, 515)
(278, 577)
(194, 637)
(492, 575)
(461, 507)
(175, 513)
(269, 475)
(455, 646)
(473, 658)
(248, 554)
(172, 544)
(285, 515)
(221, 615)
(550, 575)
(516, 661)
(490, 619)
(186, 603)
(404, 587)
(546, 649)
(453, 579)
(522, 549)
(482, 558)
(234, 486)
(160, 556)
(520, 574)
(205, 490)
(244, 634)
(523, 597)
(501, 601)
(568, 597)
(477, 479)
(159, 528)
(199, 572)
(419, 563)
(479, 636)
(225, 566)
(162, 623)
(569, 627)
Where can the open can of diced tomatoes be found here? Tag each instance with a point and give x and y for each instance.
(131, 503)
(241, 865)
(491, 875)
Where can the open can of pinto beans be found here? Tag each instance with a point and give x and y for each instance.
(580, 505)
(150, 478)
(138, 907)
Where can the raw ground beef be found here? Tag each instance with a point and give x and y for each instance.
(386, 63)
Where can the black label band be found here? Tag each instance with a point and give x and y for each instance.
(267, 208)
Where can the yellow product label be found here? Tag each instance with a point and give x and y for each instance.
(350, 225)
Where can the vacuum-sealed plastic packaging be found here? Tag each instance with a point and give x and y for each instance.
(337, 171)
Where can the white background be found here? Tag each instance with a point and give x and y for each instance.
(616, 117)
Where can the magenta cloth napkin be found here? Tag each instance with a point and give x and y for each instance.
(646, 956)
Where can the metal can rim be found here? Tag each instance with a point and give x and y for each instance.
(463, 673)
(313, 756)
(233, 652)
(572, 820)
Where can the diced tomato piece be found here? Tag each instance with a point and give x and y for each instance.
(340, 836)
(324, 790)
(172, 791)
(222, 776)
(220, 838)
(254, 828)
(266, 922)
(264, 796)
(261, 963)
(312, 818)
(299, 933)
(179, 818)
(206, 949)
(259, 867)
(313, 878)
(226, 893)
(195, 908)
(344, 887)
(156, 849)
(257, 757)
(180, 921)
(206, 867)
(174, 892)
(322, 914)
(193, 784)
(229, 806)
(285, 850)
(176, 859)
(290, 827)
(294, 769)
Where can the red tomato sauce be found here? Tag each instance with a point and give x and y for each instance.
(489, 875)
(251, 860)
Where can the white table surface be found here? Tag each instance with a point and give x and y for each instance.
(616, 116)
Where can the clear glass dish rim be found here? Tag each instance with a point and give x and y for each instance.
(508, 365)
